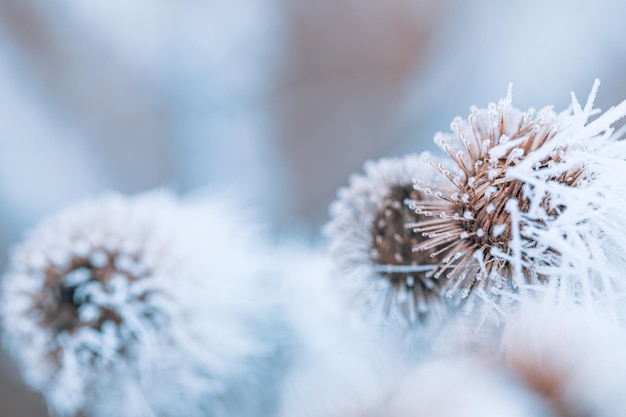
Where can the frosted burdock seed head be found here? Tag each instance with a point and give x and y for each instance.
(526, 199)
(481, 197)
(133, 306)
(372, 240)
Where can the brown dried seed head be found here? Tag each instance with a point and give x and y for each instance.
(372, 240)
(474, 214)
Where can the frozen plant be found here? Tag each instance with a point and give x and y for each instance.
(140, 306)
(530, 199)
(372, 243)
(525, 204)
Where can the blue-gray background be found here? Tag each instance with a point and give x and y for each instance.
(275, 101)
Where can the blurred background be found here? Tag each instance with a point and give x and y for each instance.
(276, 101)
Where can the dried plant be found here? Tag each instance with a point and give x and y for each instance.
(132, 306)
(530, 199)
(525, 200)
(372, 245)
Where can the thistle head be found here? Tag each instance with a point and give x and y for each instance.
(81, 295)
(373, 241)
(520, 187)
(144, 295)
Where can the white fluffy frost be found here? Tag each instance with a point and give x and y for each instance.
(589, 234)
(177, 337)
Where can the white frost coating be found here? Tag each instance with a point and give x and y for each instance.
(498, 230)
(589, 228)
(171, 329)
(516, 244)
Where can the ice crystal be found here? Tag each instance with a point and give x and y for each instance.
(372, 241)
(134, 306)
(531, 199)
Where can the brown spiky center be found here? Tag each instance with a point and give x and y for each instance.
(59, 302)
(484, 195)
(472, 217)
(66, 293)
(72, 296)
(394, 240)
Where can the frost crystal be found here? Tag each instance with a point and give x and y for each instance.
(530, 199)
(372, 238)
(133, 307)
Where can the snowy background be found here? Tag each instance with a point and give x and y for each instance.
(277, 101)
